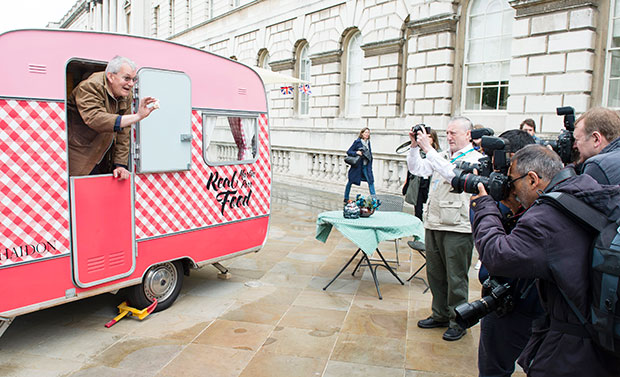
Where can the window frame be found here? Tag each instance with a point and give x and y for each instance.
(226, 114)
(346, 80)
(302, 99)
(609, 57)
(466, 65)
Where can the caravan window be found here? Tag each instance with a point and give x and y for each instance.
(229, 138)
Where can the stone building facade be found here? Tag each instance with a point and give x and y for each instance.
(389, 64)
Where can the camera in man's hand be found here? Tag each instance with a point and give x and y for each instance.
(491, 172)
(496, 184)
(417, 129)
(495, 297)
(563, 145)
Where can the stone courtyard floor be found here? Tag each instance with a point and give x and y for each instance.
(271, 318)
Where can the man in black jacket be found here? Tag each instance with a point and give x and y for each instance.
(548, 245)
(597, 138)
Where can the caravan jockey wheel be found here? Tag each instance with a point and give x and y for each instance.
(162, 282)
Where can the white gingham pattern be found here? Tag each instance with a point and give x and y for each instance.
(173, 202)
(33, 179)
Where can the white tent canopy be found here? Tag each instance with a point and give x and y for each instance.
(270, 77)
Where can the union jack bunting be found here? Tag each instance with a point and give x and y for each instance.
(286, 90)
(305, 89)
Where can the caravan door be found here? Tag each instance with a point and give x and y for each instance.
(102, 229)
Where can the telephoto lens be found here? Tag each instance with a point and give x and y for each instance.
(469, 313)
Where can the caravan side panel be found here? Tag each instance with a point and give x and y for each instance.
(170, 203)
(34, 231)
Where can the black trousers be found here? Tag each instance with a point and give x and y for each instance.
(501, 342)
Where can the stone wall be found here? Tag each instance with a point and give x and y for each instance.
(412, 69)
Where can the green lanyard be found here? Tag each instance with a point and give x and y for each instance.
(461, 155)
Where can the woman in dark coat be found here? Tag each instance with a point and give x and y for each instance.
(362, 171)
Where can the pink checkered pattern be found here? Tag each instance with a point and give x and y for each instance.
(173, 202)
(33, 180)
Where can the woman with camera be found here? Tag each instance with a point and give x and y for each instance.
(362, 170)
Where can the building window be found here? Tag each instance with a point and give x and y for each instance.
(303, 98)
(612, 92)
(353, 78)
(156, 21)
(263, 59)
(487, 54)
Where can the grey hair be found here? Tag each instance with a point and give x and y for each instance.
(463, 121)
(539, 159)
(117, 62)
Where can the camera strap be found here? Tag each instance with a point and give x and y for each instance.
(461, 155)
(562, 175)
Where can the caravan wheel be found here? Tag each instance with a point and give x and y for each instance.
(162, 282)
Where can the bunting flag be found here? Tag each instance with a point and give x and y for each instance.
(286, 90)
(305, 89)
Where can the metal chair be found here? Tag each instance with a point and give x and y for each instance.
(392, 203)
(420, 248)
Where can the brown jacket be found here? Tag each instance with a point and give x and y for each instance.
(92, 112)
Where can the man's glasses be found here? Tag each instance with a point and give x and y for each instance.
(511, 182)
(128, 79)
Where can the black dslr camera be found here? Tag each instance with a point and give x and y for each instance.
(491, 174)
(495, 297)
(418, 128)
(563, 146)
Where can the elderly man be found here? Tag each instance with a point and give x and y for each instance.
(597, 138)
(99, 116)
(448, 238)
(548, 245)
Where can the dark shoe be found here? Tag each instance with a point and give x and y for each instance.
(417, 245)
(454, 333)
(430, 323)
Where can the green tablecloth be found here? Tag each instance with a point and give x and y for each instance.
(367, 232)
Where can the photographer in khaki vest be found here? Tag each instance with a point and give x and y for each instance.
(448, 237)
(99, 116)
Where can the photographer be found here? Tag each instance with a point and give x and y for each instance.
(448, 232)
(548, 245)
(597, 138)
(505, 332)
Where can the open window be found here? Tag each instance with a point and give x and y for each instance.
(164, 138)
(229, 138)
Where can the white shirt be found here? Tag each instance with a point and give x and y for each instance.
(425, 167)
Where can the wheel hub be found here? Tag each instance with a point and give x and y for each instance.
(159, 281)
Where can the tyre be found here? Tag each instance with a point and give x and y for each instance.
(162, 282)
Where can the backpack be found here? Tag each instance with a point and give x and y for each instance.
(604, 324)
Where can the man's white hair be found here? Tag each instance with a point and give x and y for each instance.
(117, 62)
(463, 122)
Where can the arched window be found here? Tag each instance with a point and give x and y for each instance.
(487, 54)
(303, 99)
(353, 79)
(263, 59)
(612, 82)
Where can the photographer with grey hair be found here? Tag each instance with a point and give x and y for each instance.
(548, 245)
(448, 238)
(99, 116)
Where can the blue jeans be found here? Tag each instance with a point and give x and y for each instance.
(371, 186)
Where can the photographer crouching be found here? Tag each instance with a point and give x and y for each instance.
(548, 245)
